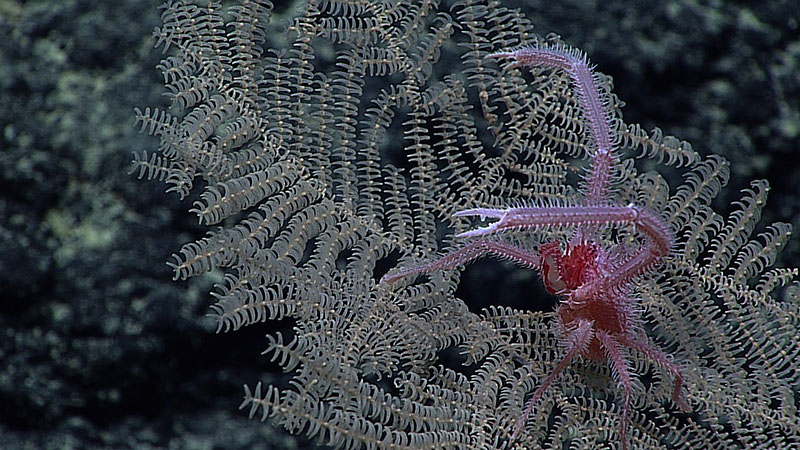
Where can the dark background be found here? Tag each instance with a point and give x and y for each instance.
(100, 349)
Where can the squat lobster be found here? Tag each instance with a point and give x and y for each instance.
(597, 317)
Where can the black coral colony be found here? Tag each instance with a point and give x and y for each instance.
(344, 158)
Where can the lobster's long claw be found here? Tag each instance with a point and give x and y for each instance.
(482, 213)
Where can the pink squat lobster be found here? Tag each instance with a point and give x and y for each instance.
(598, 315)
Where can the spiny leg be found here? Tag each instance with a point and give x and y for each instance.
(662, 360)
(620, 367)
(466, 254)
(577, 341)
(594, 104)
